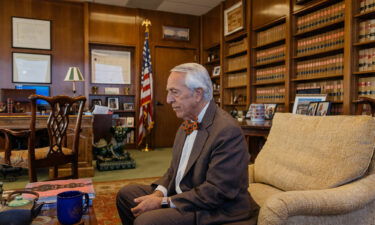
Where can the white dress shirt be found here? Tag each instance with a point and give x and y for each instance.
(185, 155)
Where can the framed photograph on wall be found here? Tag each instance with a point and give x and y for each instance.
(31, 68)
(233, 18)
(301, 102)
(176, 33)
(113, 103)
(31, 33)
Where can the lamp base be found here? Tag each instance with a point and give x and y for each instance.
(146, 149)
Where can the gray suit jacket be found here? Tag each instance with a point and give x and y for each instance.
(216, 177)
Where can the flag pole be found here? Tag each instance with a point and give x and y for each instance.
(148, 106)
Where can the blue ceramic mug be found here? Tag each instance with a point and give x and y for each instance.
(70, 207)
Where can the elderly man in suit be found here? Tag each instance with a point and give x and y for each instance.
(207, 180)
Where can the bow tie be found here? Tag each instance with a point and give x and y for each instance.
(189, 126)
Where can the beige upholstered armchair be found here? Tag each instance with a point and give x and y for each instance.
(316, 170)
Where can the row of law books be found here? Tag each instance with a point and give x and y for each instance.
(273, 94)
(236, 79)
(270, 54)
(320, 17)
(336, 109)
(270, 74)
(320, 67)
(366, 5)
(334, 89)
(367, 30)
(321, 42)
(270, 35)
(48, 190)
(366, 58)
(237, 46)
(237, 63)
(366, 87)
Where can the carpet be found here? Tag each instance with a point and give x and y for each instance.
(105, 199)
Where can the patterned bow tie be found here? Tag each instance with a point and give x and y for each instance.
(189, 126)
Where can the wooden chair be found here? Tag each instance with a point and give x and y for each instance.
(57, 153)
(362, 101)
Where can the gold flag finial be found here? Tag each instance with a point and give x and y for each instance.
(146, 23)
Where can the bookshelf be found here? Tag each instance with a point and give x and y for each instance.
(268, 69)
(364, 49)
(211, 58)
(235, 74)
(318, 38)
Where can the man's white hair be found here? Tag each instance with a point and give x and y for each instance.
(196, 77)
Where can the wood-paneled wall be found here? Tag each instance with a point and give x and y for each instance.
(264, 12)
(71, 38)
(66, 37)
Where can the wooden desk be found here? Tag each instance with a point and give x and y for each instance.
(85, 167)
(256, 134)
(49, 217)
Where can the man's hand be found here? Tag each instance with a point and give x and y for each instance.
(147, 203)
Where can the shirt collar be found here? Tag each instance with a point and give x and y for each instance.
(201, 114)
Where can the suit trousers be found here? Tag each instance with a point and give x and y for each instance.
(162, 216)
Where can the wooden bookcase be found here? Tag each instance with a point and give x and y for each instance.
(328, 47)
(268, 68)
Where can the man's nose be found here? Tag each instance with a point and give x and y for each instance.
(170, 99)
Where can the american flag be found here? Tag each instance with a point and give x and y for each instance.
(145, 111)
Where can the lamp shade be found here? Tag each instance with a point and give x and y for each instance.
(74, 74)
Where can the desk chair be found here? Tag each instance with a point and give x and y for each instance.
(57, 153)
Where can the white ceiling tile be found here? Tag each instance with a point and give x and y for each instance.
(183, 8)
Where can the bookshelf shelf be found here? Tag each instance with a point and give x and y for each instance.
(319, 77)
(314, 30)
(237, 70)
(371, 72)
(213, 62)
(235, 37)
(213, 46)
(237, 86)
(238, 104)
(364, 44)
(243, 52)
(270, 24)
(325, 52)
(314, 6)
(271, 63)
(270, 44)
(365, 15)
(269, 83)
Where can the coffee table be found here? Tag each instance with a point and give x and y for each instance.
(49, 217)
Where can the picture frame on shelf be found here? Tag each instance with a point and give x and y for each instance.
(269, 110)
(323, 108)
(95, 102)
(301, 102)
(31, 33)
(176, 33)
(113, 103)
(129, 121)
(233, 19)
(31, 68)
(128, 106)
(216, 71)
(312, 108)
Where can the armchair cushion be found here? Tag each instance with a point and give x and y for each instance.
(306, 152)
(19, 158)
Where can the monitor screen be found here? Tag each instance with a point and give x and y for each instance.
(39, 90)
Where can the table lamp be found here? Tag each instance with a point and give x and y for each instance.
(74, 74)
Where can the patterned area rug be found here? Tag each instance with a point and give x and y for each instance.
(105, 200)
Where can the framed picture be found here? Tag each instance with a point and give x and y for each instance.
(128, 106)
(323, 108)
(96, 102)
(269, 111)
(216, 71)
(176, 33)
(312, 108)
(31, 33)
(112, 103)
(31, 68)
(301, 102)
(233, 19)
(129, 121)
(110, 67)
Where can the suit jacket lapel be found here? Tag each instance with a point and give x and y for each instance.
(201, 136)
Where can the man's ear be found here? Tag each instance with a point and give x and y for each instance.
(198, 92)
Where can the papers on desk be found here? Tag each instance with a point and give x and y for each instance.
(98, 109)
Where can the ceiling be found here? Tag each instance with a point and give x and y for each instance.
(191, 7)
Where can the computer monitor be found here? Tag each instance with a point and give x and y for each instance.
(39, 90)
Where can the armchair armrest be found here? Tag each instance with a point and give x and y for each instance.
(16, 133)
(8, 147)
(339, 200)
